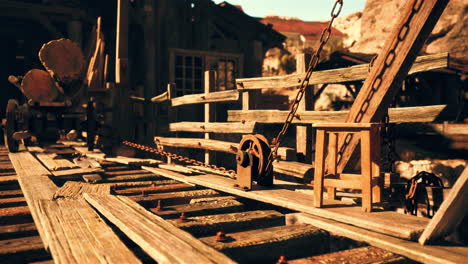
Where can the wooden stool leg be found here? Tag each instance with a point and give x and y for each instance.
(378, 183)
(332, 158)
(366, 171)
(319, 167)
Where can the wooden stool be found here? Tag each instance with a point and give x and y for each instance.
(369, 180)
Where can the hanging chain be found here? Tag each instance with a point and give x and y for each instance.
(161, 152)
(388, 139)
(326, 33)
(325, 36)
(377, 82)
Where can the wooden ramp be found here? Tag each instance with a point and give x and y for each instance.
(386, 222)
(162, 241)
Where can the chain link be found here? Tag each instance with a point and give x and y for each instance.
(388, 61)
(161, 152)
(326, 33)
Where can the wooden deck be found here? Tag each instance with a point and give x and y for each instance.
(102, 222)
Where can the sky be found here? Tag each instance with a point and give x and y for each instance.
(308, 10)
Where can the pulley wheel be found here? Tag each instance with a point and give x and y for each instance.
(11, 126)
(257, 145)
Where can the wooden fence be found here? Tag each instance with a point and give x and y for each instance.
(248, 119)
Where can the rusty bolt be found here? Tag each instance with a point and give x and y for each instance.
(182, 218)
(143, 194)
(153, 185)
(158, 207)
(243, 121)
(220, 237)
(282, 260)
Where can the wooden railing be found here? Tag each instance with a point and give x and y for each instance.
(248, 120)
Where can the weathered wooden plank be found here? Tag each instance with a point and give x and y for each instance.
(20, 245)
(133, 161)
(212, 144)
(354, 73)
(223, 96)
(167, 173)
(450, 213)
(76, 234)
(162, 241)
(6, 230)
(232, 222)
(387, 222)
(369, 255)
(198, 143)
(397, 115)
(85, 162)
(176, 168)
(229, 127)
(412, 250)
(35, 183)
(216, 205)
(154, 189)
(416, 22)
(160, 98)
(172, 198)
(75, 172)
(293, 168)
(72, 189)
(54, 162)
(5, 180)
(256, 246)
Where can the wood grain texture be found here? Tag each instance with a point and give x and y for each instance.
(133, 161)
(223, 96)
(209, 225)
(75, 190)
(391, 67)
(354, 73)
(412, 250)
(397, 115)
(198, 143)
(76, 234)
(162, 241)
(229, 127)
(450, 213)
(387, 222)
(295, 169)
(54, 162)
(35, 183)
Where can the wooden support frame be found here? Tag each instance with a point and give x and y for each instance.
(368, 180)
(391, 67)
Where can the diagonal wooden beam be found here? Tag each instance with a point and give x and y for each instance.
(391, 67)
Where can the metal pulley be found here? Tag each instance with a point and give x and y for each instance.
(252, 162)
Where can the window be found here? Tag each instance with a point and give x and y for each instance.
(188, 67)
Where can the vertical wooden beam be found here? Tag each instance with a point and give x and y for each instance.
(366, 170)
(122, 106)
(319, 167)
(392, 65)
(171, 111)
(304, 133)
(332, 155)
(377, 180)
(210, 109)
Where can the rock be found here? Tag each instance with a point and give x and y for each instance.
(351, 26)
(368, 31)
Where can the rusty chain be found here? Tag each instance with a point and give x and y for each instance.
(325, 36)
(388, 61)
(326, 33)
(161, 152)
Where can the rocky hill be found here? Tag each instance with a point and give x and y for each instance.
(368, 30)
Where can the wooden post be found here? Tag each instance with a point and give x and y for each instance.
(304, 133)
(332, 155)
(171, 111)
(122, 109)
(392, 66)
(319, 167)
(210, 110)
